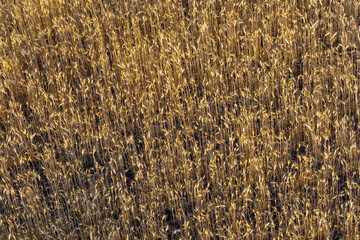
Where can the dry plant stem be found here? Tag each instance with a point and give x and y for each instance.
(179, 119)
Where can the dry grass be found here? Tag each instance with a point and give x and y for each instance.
(179, 119)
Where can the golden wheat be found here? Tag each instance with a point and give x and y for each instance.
(179, 119)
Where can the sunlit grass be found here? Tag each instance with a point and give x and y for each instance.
(179, 119)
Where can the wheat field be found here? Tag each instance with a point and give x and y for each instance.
(218, 119)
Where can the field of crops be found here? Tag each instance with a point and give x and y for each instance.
(187, 119)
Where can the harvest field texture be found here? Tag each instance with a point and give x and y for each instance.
(219, 119)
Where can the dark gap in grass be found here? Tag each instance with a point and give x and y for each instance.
(300, 83)
(110, 59)
(64, 207)
(89, 163)
(188, 208)
(171, 219)
(102, 157)
(276, 105)
(53, 36)
(3, 131)
(40, 139)
(129, 177)
(126, 159)
(338, 232)
(191, 156)
(36, 165)
(44, 185)
(186, 143)
(273, 182)
(16, 187)
(83, 42)
(22, 99)
(257, 126)
(250, 215)
(76, 219)
(317, 165)
(275, 207)
(297, 151)
(173, 223)
(75, 180)
(185, 4)
(342, 187)
(356, 177)
(178, 123)
(60, 154)
(276, 126)
(208, 184)
(355, 121)
(139, 142)
(40, 64)
(136, 228)
(198, 138)
(172, 235)
(77, 143)
(97, 121)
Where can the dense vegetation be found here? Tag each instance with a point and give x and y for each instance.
(179, 119)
